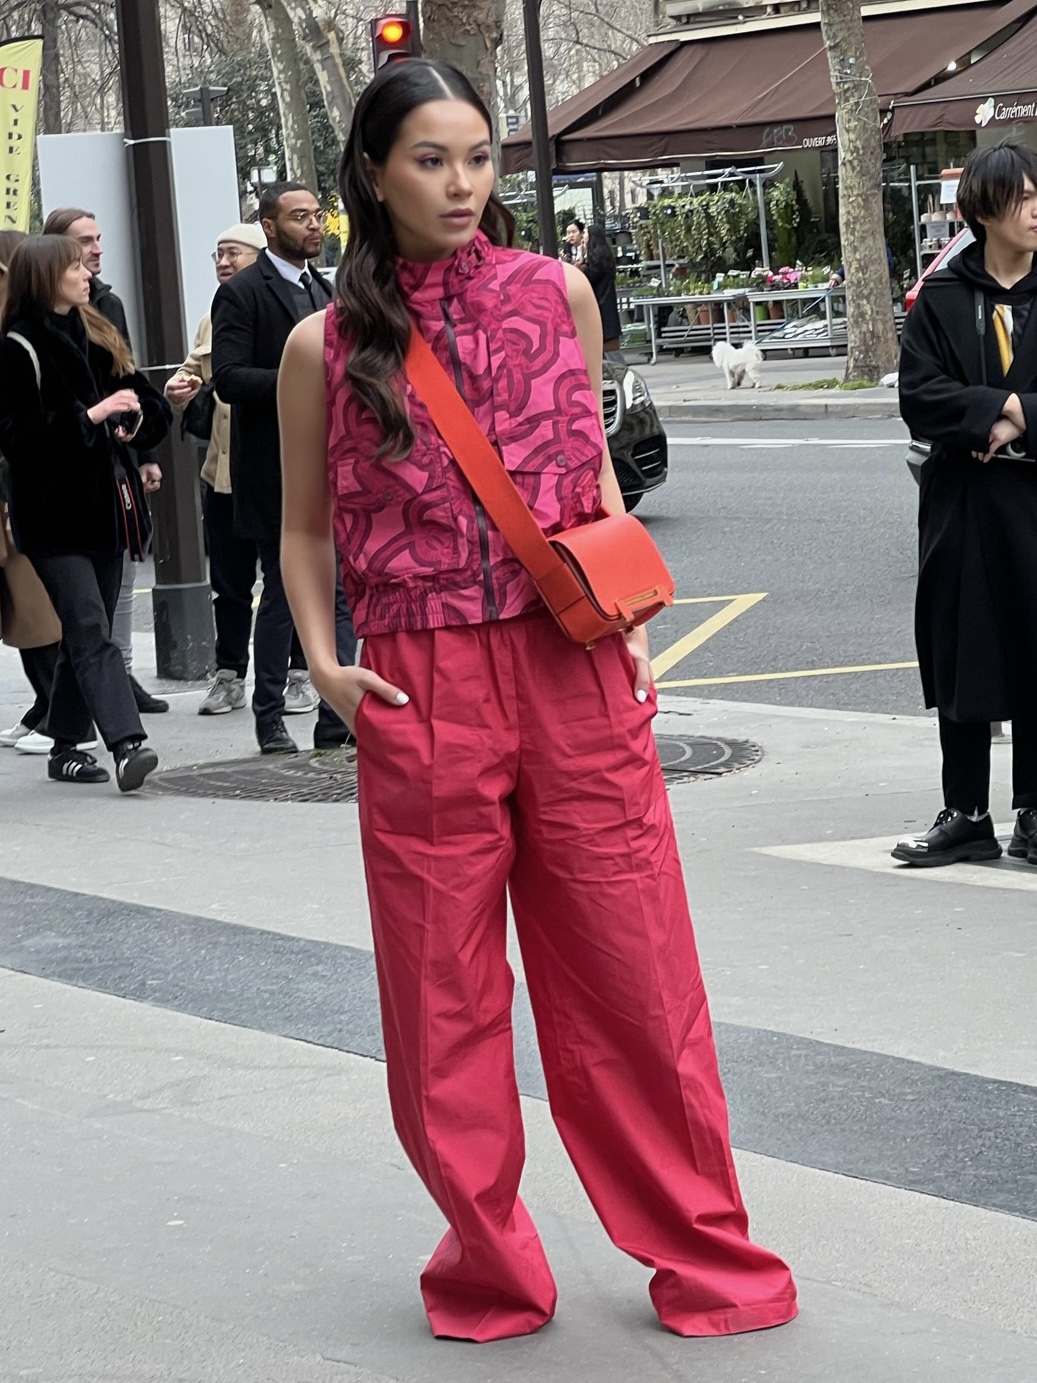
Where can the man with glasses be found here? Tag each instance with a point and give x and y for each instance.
(253, 314)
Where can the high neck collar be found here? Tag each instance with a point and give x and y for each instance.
(443, 278)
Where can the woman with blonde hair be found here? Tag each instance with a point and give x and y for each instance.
(72, 404)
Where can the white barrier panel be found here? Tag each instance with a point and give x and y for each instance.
(92, 171)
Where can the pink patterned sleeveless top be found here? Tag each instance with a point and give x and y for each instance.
(417, 549)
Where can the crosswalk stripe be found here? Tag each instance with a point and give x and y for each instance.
(873, 855)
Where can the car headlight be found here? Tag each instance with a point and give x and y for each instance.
(635, 391)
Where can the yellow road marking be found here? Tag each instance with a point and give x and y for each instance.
(781, 676)
(735, 605)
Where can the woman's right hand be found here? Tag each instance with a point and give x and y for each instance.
(181, 389)
(343, 688)
(122, 401)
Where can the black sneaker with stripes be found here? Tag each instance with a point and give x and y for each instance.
(68, 765)
(133, 762)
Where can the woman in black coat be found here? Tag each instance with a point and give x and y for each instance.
(71, 407)
(599, 265)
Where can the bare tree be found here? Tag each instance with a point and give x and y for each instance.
(291, 99)
(321, 40)
(466, 33)
(872, 348)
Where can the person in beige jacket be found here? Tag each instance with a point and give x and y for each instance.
(232, 559)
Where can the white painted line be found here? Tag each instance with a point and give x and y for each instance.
(873, 855)
(778, 443)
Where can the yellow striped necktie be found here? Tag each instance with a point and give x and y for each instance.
(1003, 331)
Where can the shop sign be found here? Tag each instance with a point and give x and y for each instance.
(1005, 110)
(787, 137)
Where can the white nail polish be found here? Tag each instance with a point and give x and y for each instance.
(402, 698)
(641, 695)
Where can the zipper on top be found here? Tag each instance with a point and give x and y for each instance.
(480, 513)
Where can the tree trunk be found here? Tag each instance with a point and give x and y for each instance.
(51, 68)
(320, 38)
(872, 350)
(467, 34)
(291, 99)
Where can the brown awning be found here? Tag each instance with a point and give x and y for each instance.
(748, 93)
(1000, 89)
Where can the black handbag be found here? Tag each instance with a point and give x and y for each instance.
(199, 413)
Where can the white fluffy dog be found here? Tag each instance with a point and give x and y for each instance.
(738, 364)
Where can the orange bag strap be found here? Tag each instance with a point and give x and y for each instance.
(482, 467)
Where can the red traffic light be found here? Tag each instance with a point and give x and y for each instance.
(393, 36)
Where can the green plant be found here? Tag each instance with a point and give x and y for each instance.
(783, 211)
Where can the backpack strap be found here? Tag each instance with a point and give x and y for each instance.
(28, 346)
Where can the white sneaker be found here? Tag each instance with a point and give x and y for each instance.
(227, 693)
(8, 738)
(299, 695)
(35, 743)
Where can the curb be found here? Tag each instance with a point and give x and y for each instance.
(778, 410)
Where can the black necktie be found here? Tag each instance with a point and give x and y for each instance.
(307, 283)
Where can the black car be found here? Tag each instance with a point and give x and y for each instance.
(637, 442)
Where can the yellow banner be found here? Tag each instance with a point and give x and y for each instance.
(20, 63)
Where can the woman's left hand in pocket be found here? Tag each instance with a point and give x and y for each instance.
(637, 643)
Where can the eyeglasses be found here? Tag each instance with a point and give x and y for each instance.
(228, 252)
(301, 217)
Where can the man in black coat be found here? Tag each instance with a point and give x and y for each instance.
(253, 315)
(968, 383)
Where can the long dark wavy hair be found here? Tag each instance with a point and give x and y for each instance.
(371, 304)
(600, 259)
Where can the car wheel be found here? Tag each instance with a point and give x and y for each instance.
(632, 501)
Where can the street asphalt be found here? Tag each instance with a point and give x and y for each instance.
(200, 1179)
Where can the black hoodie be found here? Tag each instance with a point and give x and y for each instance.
(952, 386)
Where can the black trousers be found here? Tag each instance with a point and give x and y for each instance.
(233, 562)
(39, 666)
(90, 681)
(272, 646)
(232, 574)
(966, 763)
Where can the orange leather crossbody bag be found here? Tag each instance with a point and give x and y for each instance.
(602, 578)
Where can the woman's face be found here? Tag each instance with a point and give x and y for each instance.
(573, 234)
(437, 179)
(74, 287)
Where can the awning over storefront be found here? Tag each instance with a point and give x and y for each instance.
(748, 93)
(999, 90)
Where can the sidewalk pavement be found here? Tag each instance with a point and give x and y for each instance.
(690, 389)
(200, 1180)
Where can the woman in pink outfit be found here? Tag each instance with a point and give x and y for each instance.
(494, 755)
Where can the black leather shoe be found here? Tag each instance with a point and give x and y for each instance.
(1024, 837)
(952, 838)
(332, 737)
(67, 765)
(274, 738)
(147, 704)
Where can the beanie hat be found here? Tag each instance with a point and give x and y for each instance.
(244, 234)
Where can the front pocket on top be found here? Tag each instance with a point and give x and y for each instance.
(397, 521)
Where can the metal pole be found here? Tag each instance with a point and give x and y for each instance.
(918, 224)
(181, 597)
(761, 203)
(543, 160)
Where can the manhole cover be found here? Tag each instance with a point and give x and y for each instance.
(702, 756)
(331, 777)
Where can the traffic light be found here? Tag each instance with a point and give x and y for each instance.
(393, 36)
